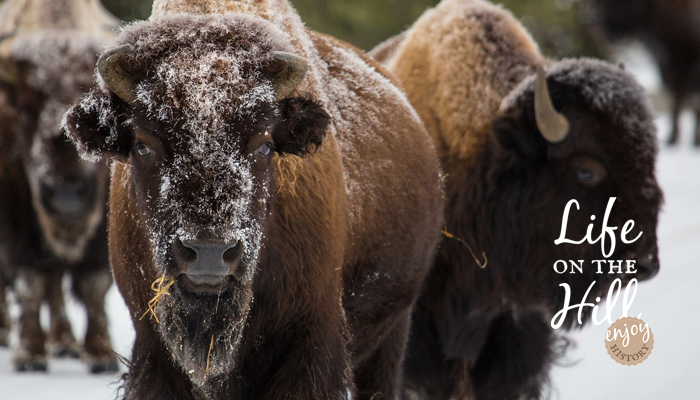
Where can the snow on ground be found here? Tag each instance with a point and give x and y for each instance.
(667, 304)
(69, 379)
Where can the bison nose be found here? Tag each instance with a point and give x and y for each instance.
(66, 196)
(207, 263)
(647, 266)
(647, 260)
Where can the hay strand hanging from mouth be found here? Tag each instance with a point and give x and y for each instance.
(211, 345)
(161, 287)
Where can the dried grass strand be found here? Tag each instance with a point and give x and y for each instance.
(211, 346)
(479, 263)
(160, 287)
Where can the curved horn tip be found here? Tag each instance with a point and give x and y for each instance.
(553, 125)
(117, 51)
(116, 79)
(287, 80)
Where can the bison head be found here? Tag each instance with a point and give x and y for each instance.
(43, 75)
(584, 132)
(197, 109)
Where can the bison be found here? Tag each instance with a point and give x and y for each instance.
(670, 30)
(518, 137)
(52, 204)
(275, 189)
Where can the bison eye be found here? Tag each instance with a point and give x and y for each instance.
(264, 150)
(143, 150)
(586, 175)
(589, 172)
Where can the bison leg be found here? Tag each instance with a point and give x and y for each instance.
(427, 373)
(90, 287)
(697, 128)
(317, 368)
(61, 341)
(379, 376)
(515, 360)
(30, 355)
(5, 322)
(675, 116)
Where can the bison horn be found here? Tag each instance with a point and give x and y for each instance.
(116, 79)
(552, 125)
(288, 79)
(9, 73)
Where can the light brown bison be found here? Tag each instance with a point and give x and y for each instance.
(517, 145)
(52, 205)
(281, 190)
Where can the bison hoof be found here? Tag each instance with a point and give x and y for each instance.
(65, 351)
(34, 364)
(104, 366)
(4, 337)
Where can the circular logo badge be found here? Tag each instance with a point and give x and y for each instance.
(629, 341)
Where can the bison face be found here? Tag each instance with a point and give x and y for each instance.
(604, 147)
(198, 108)
(44, 74)
(205, 203)
(69, 194)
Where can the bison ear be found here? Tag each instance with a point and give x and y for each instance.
(302, 127)
(94, 128)
(512, 138)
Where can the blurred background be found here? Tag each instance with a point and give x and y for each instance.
(563, 28)
(555, 24)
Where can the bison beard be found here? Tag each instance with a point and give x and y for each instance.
(202, 333)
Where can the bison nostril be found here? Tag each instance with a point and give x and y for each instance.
(232, 254)
(185, 253)
(647, 266)
(81, 188)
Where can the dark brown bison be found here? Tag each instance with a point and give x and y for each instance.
(517, 146)
(281, 191)
(671, 31)
(52, 204)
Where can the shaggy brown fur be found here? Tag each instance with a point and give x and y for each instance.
(52, 208)
(468, 68)
(671, 31)
(335, 240)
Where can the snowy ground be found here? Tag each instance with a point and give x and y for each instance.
(666, 304)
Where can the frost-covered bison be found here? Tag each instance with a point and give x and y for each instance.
(671, 31)
(52, 204)
(281, 191)
(517, 146)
